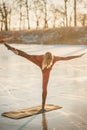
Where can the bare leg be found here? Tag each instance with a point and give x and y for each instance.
(44, 95)
(32, 58)
(44, 87)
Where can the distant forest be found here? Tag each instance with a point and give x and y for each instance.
(36, 14)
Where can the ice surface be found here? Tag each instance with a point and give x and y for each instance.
(20, 87)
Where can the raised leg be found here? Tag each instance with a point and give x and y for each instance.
(32, 58)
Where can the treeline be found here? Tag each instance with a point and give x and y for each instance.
(28, 14)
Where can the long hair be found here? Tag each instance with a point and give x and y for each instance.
(47, 60)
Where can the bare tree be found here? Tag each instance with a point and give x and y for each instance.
(9, 19)
(37, 10)
(66, 17)
(5, 16)
(1, 18)
(70, 19)
(24, 12)
(75, 13)
(57, 13)
(78, 15)
(82, 19)
(20, 5)
(44, 3)
(4, 13)
(27, 9)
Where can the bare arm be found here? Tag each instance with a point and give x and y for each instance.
(71, 57)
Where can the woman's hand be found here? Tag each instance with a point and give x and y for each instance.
(82, 54)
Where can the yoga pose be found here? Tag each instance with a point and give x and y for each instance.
(45, 62)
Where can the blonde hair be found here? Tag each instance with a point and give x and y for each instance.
(47, 56)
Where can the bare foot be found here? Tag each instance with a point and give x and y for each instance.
(42, 111)
(11, 48)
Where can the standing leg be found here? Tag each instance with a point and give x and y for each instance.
(44, 88)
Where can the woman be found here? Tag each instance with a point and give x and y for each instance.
(45, 62)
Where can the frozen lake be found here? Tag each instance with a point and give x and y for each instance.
(20, 87)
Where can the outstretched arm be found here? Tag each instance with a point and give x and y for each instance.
(16, 51)
(69, 57)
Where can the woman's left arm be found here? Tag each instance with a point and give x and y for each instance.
(69, 57)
